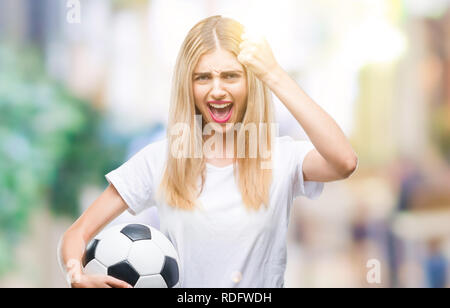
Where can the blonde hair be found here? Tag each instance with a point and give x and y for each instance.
(179, 186)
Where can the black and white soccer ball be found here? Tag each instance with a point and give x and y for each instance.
(136, 253)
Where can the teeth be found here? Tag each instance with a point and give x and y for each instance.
(219, 106)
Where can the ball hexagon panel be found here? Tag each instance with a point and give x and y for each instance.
(94, 268)
(113, 249)
(152, 281)
(146, 257)
(165, 245)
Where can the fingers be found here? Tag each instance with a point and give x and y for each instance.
(248, 50)
(244, 58)
(248, 46)
(116, 283)
(100, 281)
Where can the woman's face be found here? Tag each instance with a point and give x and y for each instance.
(220, 89)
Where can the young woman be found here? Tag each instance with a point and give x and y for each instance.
(224, 205)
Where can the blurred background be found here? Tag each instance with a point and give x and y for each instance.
(85, 84)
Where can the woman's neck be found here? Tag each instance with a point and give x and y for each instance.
(218, 146)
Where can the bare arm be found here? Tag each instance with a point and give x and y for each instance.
(333, 158)
(72, 246)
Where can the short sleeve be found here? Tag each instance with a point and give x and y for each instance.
(298, 150)
(134, 181)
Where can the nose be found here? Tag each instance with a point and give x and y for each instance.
(218, 91)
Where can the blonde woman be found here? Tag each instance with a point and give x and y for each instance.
(222, 180)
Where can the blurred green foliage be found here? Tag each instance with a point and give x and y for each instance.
(52, 144)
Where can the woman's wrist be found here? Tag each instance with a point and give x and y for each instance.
(274, 77)
(74, 271)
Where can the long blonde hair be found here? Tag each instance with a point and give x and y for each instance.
(179, 185)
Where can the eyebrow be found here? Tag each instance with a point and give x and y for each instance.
(224, 72)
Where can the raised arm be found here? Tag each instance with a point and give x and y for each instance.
(73, 243)
(333, 157)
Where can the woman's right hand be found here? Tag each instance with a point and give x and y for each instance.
(72, 245)
(99, 281)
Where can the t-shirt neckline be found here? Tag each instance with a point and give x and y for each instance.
(210, 166)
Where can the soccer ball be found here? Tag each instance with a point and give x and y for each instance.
(136, 253)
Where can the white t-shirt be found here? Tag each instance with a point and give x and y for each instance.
(222, 244)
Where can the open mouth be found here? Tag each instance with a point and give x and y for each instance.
(220, 112)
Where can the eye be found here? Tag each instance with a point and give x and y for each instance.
(202, 77)
(230, 76)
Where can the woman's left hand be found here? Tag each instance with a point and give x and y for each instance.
(257, 56)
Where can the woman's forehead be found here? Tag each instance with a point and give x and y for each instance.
(218, 61)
